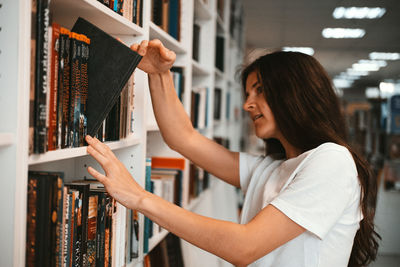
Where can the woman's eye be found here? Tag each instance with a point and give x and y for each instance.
(259, 90)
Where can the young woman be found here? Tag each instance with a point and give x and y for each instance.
(310, 201)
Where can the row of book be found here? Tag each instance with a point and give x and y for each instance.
(164, 178)
(129, 9)
(60, 116)
(77, 224)
(167, 15)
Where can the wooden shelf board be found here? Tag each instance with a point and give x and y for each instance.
(75, 152)
(201, 11)
(66, 12)
(6, 139)
(198, 69)
(168, 41)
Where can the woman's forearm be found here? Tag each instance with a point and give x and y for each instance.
(222, 238)
(171, 117)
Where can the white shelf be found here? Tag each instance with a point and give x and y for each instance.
(155, 239)
(68, 153)
(66, 12)
(198, 69)
(168, 41)
(201, 11)
(6, 139)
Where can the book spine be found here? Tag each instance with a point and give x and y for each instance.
(92, 230)
(147, 220)
(64, 87)
(31, 221)
(52, 133)
(100, 239)
(108, 232)
(84, 90)
(41, 75)
(67, 229)
(58, 219)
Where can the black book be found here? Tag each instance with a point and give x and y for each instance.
(111, 63)
(41, 75)
(82, 222)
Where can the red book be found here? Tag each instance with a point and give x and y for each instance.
(52, 132)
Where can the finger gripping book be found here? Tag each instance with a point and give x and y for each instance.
(110, 65)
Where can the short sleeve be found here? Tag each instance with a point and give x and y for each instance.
(247, 164)
(320, 191)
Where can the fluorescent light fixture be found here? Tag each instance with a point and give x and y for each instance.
(365, 67)
(358, 73)
(379, 63)
(372, 92)
(358, 12)
(384, 56)
(345, 75)
(339, 33)
(342, 83)
(386, 88)
(304, 50)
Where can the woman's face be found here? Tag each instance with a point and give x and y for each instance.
(258, 109)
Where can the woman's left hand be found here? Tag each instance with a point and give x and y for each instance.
(117, 180)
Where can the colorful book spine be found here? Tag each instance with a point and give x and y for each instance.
(64, 87)
(147, 221)
(41, 75)
(52, 116)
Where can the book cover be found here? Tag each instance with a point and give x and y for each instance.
(111, 63)
(92, 229)
(41, 75)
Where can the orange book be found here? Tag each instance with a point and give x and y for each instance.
(168, 163)
(52, 132)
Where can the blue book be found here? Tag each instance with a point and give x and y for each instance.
(147, 222)
(173, 24)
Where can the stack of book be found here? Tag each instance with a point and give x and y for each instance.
(76, 224)
(164, 179)
(68, 84)
(129, 9)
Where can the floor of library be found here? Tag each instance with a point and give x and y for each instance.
(386, 261)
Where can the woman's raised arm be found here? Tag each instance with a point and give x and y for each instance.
(175, 125)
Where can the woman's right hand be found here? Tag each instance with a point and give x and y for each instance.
(156, 58)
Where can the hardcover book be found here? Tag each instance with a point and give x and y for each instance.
(111, 63)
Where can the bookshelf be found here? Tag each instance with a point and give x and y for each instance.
(146, 140)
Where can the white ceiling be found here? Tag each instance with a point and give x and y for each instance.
(273, 24)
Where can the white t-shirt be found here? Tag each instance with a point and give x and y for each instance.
(318, 190)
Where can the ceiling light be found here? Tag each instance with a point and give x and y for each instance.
(342, 33)
(354, 72)
(372, 92)
(304, 50)
(365, 67)
(358, 12)
(384, 56)
(386, 88)
(342, 83)
(379, 63)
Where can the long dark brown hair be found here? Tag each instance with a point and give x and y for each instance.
(307, 111)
